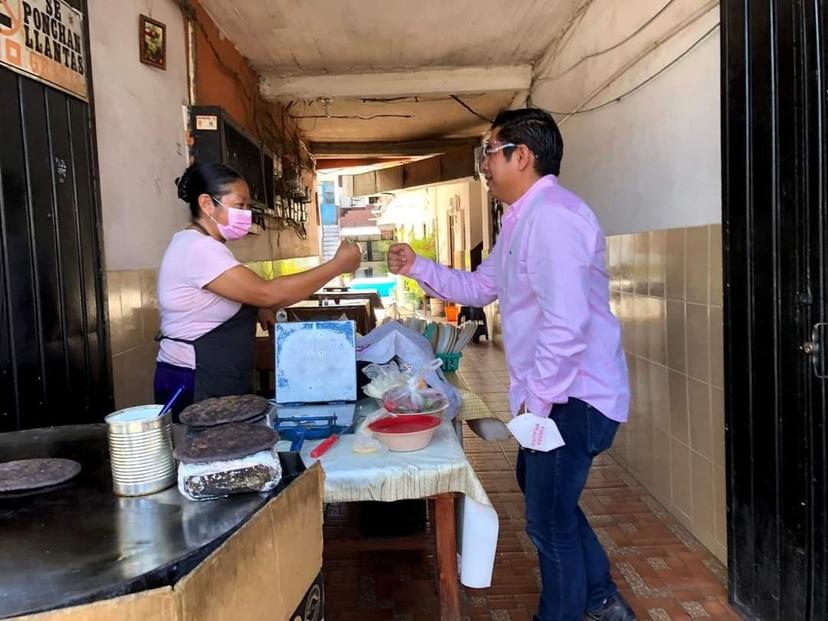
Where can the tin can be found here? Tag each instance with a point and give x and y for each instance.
(140, 450)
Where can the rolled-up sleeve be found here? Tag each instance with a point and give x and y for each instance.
(477, 288)
(560, 249)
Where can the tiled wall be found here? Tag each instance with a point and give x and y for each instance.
(667, 292)
(134, 322)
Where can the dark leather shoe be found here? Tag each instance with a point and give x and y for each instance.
(614, 609)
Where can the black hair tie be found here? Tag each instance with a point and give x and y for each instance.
(183, 183)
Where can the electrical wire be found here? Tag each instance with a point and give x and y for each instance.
(470, 109)
(407, 99)
(561, 39)
(386, 100)
(611, 48)
(641, 85)
(353, 117)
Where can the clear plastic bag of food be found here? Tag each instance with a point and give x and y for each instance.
(383, 378)
(415, 397)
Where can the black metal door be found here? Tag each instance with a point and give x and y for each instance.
(54, 361)
(776, 247)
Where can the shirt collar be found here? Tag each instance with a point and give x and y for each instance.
(547, 181)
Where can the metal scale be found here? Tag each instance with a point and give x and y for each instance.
(316, 387)
(298, 423)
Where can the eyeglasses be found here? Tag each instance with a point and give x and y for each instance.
(489, 149)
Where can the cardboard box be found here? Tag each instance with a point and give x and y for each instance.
(261, 573)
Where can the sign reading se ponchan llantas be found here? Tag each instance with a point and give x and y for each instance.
(44, 39)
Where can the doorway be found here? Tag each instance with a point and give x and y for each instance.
(54, 352)
(776, 276)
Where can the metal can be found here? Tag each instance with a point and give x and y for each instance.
(140, 450)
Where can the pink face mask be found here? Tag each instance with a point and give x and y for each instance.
(238, 222)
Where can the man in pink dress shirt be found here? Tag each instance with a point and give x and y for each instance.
(563, 348)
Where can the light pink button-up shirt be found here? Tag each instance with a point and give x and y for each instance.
(548, 271)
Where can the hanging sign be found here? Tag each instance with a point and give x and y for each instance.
(44, 39)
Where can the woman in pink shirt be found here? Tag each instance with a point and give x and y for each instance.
(209, 302)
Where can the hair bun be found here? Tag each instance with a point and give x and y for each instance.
(183, 183)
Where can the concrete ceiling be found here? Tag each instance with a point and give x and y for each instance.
(368, 57)
(356, 120)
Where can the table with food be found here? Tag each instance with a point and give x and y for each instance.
(397, 441)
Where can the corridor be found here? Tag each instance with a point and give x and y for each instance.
(663, 572)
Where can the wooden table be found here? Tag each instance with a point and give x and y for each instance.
(444, 545)
(360, 311)
(440, 474)
(445, 527)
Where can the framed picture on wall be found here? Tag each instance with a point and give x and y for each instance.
(153, 42)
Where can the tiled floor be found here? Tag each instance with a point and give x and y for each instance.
(661, 569)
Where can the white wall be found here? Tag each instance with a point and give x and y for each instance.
(653, 160)
(408, 210)
(140, 125)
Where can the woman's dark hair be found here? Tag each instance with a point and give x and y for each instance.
(538, 131)
(204, 178)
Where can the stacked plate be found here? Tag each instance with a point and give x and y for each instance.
(444, 338)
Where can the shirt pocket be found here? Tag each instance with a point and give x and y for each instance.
(519, 262)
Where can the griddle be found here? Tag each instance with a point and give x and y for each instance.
(117, 545)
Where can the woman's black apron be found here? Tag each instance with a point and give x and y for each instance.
(225, 356)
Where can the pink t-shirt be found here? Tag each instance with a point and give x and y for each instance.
(188, 310)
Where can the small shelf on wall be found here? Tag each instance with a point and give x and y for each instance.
(279, 198)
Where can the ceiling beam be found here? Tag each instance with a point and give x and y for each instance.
(419, 82)
(412, 148)
(451, 166)
(355, 162)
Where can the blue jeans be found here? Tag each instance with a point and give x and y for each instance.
(575, 571)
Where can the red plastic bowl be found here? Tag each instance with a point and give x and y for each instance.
(405, 433)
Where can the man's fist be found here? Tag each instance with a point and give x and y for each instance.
(400, 259)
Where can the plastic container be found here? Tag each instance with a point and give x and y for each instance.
(452, 312)
(405, 433)
(451, 361)
(140, 450)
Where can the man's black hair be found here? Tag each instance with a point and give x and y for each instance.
(538, 131)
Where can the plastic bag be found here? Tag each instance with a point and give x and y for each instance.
(383, 378)
(260, 472)
(415, 395)
(395, 340)
(364, 440)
